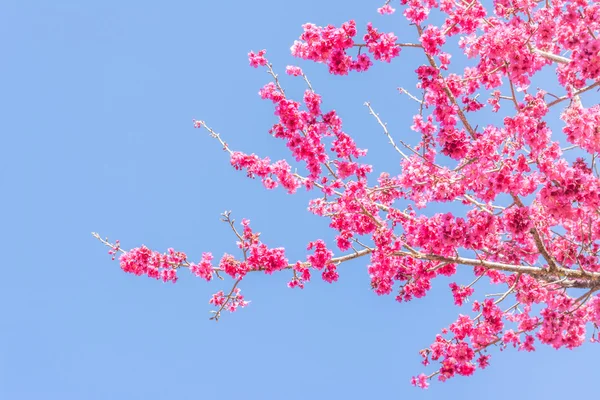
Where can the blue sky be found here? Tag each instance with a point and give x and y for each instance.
(97, 101)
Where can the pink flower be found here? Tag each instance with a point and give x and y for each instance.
(460, 293)
(386, 9)
(271, 92)
(258, 59)
(420, 381)
(293, 70)
(382, 45)
(330, 273)
(217, 299)
(204, 268)
(115, 249)
(511, 338)
(321, 257)
(229, 302)
(483, 361)
(432, 39)
(232, 267)
(143, 261)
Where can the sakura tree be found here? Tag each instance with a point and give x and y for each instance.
(530, 196)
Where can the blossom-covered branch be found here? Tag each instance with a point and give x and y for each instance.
(525, 216)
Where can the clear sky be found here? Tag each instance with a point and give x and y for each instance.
(97, 101)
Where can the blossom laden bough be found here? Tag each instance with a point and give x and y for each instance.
(530, 221)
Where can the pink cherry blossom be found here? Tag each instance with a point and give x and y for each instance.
(257, 59)
(386, 9)
(203, 269)
(293, 70)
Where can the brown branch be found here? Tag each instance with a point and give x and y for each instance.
(552, 264)
(550, 56)
(385, 130)
(499, 266)
(563, 98)
(229, 297)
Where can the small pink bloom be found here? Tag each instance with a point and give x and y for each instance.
(420, 381)
(293, 70)
(386, 9)
(258, 59)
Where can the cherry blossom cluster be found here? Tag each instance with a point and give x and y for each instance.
(255, 166)
(143, 261)
(230, 302)
(386, 9)
(330, 45)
